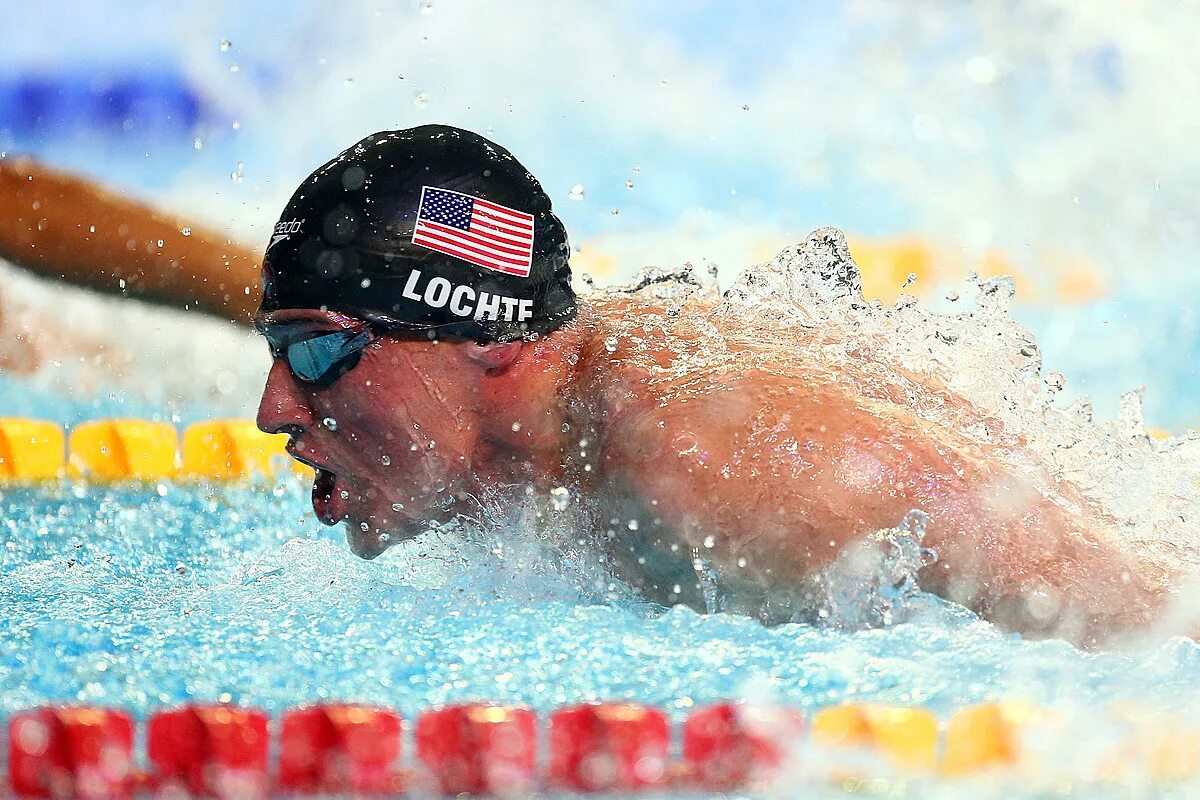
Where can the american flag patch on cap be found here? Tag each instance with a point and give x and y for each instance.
(479, 231)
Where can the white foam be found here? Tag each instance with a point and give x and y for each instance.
(172, 361)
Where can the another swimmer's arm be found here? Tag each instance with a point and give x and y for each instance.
(67, 227)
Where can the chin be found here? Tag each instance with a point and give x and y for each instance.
(367, 544)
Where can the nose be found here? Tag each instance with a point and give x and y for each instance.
(284, 403)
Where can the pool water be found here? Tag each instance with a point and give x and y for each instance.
(147, 595)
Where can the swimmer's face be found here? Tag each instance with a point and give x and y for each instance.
(393, 439)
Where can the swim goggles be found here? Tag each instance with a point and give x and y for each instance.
(318, 357)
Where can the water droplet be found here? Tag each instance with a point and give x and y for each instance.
(576, 192)
(632, 525)
(745, 107)
(180, 568)
(348, 82)
(615, 211)
(161, 242)
(952, 296)
(421, 100)
(741, 562)
(330, 422)
(365, 283)
(364, 527)
(397, 506)
(709, 542)
(186, 231)
(385, 537)
(636, 168)
(909, 281)
(560, 497)
(236, 175)
(225, 45)
(516, 426)
(629, 185)
(345, 495)
(234, 67)
(197, 143)
(431, 445)
(664, 82)
(610, 344)
(387, 461)
(566, 427)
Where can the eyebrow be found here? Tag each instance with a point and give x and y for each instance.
(265, 324)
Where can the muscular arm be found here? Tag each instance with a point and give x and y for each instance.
(782, 475)
(66, 227)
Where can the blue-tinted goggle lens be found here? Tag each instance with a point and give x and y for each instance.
(320, 359)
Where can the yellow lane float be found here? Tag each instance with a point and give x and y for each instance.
(123, 449)
(232, 449)
(906, 737)
(31, 449)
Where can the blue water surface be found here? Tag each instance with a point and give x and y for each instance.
(148, 595)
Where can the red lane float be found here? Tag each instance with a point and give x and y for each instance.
(479, 749)
(84, 753)
(208, 751)
(339, 748)
(221, 751)
(730, 745)
(608, 747)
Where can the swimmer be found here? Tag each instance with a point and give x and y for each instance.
(418, 374)
(428, 348)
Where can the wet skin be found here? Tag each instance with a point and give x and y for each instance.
(422, 428)
(767, 471)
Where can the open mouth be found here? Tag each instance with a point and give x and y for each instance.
(328, 502)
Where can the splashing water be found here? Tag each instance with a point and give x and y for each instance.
(521, 607)
(874, 583)
(976, 372)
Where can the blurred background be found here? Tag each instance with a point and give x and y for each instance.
(1053, 141)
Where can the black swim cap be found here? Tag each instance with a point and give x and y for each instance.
(429, 228)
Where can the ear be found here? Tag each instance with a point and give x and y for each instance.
(495, 355)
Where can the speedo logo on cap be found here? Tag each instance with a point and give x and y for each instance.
(478, 231)
(283, 229)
